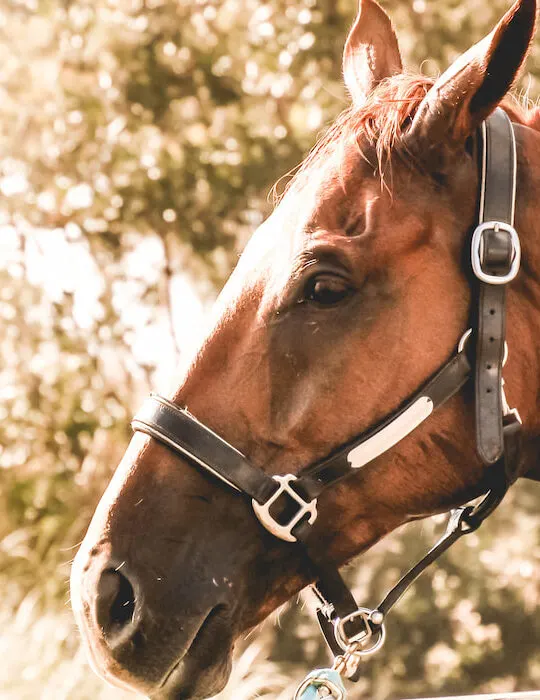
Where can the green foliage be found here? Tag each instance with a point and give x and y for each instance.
(139, 142)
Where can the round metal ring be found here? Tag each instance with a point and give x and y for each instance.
(505, 356)
(345, 642)
(463, 340)
(377, 645)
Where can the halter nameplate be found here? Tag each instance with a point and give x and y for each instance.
(393, 433)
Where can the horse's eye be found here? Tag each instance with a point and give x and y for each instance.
(326, 289)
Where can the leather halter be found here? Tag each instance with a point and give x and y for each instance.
(495, 259)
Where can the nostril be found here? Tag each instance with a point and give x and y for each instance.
(115, 604)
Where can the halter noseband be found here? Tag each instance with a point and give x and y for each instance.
(495, 260)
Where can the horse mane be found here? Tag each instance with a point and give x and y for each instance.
(380, 123)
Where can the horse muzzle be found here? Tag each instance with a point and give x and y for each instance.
(137, 643)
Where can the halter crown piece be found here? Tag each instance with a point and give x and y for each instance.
(351, 631)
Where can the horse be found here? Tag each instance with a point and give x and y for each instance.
(345, 300)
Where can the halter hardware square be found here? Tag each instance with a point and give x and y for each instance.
(262, 510)
(477, 252)
(364, 635)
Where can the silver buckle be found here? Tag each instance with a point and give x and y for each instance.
(262, 510)
(364, 636)
(477, 249)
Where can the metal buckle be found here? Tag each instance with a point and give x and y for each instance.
(262, 510)
(363, 637)
(459, 521)
(465, 339)
(477, 249)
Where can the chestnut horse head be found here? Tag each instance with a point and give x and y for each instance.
(344, 302)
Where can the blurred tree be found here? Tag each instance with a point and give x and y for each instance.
(139, 142)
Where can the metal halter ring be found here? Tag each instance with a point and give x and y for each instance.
(284, 531)
(465, 339)
(361, 638)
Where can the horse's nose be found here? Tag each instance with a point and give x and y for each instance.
(117, 606)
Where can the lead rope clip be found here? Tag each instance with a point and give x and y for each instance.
(327, 682)
(322, 683)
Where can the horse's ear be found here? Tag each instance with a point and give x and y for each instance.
(371, 51)
(474, 84)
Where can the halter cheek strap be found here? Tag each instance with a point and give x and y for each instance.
(495, 258)
(286, 505)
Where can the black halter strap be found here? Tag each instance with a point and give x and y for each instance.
(495, 259)
(183, 433)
